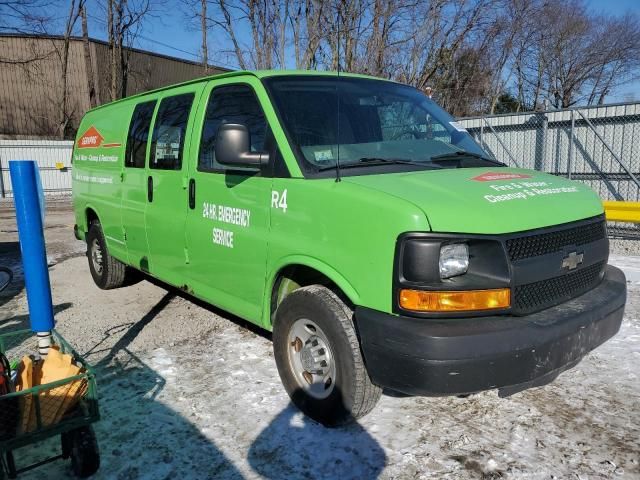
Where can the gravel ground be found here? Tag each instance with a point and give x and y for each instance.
(620, 246)
(187, 391)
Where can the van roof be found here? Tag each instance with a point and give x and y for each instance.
(239, 73)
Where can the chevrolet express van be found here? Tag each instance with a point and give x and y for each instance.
(357, 221)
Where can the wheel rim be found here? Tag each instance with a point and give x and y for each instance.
(96, 256)
(311, 359)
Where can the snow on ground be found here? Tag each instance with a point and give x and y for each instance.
(188, 392)
(630, 265)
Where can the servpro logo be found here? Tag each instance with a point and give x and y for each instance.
(493, 176)
(90, 139)
(93, 139)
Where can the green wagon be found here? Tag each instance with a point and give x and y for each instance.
(77, 438)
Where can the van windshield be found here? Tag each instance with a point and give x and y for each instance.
(364, 123)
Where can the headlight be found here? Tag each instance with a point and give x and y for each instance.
(454, 260)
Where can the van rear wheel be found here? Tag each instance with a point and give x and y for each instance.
(318, 357)
(107, 272)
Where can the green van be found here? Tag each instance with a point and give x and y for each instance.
(357, 221)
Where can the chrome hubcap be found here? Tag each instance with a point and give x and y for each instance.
(311, 359)
(96, 256)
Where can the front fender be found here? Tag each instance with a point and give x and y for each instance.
(327, 270)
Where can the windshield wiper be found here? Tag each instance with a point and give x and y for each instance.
(373, 161)
(462, 153)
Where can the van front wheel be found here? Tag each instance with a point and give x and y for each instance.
(318, 357)
(107, 272)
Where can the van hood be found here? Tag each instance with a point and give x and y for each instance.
(488, 200)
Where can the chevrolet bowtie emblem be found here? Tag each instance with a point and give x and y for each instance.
(572, 260)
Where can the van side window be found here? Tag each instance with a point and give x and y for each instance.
(138, 136)
(232, 104)
(169, 131)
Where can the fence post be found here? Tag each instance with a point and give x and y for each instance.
(613, 154)
(542, 159)
(482, 133)
(571, 133)
(495, 134)
(2, 194)
(541, 122)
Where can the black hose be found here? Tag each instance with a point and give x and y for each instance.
(9, 274)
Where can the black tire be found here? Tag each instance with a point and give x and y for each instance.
(107, 272)
(353, 395)
(85, 455)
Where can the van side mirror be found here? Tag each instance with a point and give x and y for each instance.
(233, 147)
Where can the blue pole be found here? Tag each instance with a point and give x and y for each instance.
(25, 180)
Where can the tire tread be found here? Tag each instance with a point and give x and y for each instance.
(114, 271)
(366, 393)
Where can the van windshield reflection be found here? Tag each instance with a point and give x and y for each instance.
(351, 122)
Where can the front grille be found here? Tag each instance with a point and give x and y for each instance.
(546, 293)
(544, 243)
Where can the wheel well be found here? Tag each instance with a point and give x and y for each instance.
(293, 277)
(91, 216)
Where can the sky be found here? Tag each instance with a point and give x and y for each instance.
(168, 32)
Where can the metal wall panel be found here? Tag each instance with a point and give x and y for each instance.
(31, 88)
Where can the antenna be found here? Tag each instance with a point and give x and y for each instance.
(338, 177)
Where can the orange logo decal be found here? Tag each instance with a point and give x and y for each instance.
(492, 176)
(90, 139)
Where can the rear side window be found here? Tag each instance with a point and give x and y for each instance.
(232, 104)
(139, 135)
(169, 131)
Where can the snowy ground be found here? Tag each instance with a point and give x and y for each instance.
(188, 392)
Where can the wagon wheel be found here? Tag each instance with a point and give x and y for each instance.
(83, 450)
(7, 466)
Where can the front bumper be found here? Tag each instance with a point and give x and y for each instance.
(421, 356)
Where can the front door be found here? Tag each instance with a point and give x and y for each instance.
(227, 228)
(167, 188)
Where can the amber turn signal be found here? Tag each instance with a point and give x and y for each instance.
(455, 301)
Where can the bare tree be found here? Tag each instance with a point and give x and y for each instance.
(470, 52)
(113, 64)
(91, 74)
(196, 12)
(619, 46)
(26, 16)
(306, 23)
(386, 35)
(124, 19)
(571, 56)
(228, 26)
(203, 27)
(65, 113)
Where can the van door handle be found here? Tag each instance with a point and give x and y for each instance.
(150, 188)
(192, 193)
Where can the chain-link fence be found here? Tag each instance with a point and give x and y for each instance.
(594, 145)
